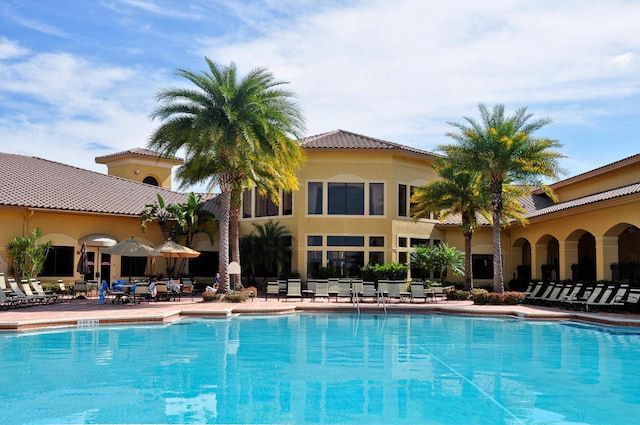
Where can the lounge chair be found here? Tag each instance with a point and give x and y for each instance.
(610, 296)
(273, 288)
(393, 289)
(140, 293)
(543, 293)
(333, 286)
(80, 289)
(368, 291)
(588, 297)
(3, 283)
(344, 289)
(294, 289)
(357, 287)
(632, 302)
(322, 289)
(311, 289)
(565, 290)
(532, 290)
(37, 287)
(417, 291)
(438, 293)
(7, 302)
(65, 294)
(17, 293)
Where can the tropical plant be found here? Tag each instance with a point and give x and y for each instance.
(29, 254)
(225, 125)
(440, 259)
(267, 249)
(502, 148)
(458, 191)
(157, 212)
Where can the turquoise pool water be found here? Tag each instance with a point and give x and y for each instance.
(324, 369)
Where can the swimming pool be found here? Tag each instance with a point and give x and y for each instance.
(324, 368)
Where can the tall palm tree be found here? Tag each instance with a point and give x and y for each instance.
(502, 148)
(456, 192)
(223, 125)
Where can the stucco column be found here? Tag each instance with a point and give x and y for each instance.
(606, 253)
(568, 256)
(538, 258)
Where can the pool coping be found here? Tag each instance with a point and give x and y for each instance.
(90, 313)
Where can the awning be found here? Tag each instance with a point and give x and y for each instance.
(98, 240)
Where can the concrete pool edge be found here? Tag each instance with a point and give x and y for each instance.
(91, 313)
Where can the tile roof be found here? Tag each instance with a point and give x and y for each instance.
(537, 205)
(340, 139)
(40, 183)
(136, 152)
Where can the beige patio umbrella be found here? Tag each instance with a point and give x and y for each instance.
(172, 249)
(132, 248)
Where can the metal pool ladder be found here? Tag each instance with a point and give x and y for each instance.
(381, 297)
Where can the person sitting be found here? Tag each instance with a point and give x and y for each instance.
(213, 288)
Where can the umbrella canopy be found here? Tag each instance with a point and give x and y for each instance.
(83, 262)
(132, 248)
(172, 249)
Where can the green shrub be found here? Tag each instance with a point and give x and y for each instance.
(458, 295)
(483, 297)
(208, 296)
(236, 297)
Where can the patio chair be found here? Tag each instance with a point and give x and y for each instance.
(187, 287)
(7, 302)
(25, 300)
(333, 286)
(417, 291)
(368, 291)
(322, 289)
(356, 287)
(140, 293)
(311, 289)
(80, 289)
(579, 303)
(3, 283)
(294, 289)
(344, 289)
(65, 293)
(273, 288)
(610, 295)
(632, 302)
(438, 293)
(37, 287)
(394, 290)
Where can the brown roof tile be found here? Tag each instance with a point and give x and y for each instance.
(39, 183)
(136, 152)
(340, 139)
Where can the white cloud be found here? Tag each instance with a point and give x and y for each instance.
(10, 49)
(396, 69)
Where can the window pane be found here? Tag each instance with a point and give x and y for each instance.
(402, 257)
(482, 266)
(314, 194)
(265, 207)
(376, 240)
(133, 266)
(314, 240)
(402, 200)
(376, 257)
(419, 241)
(246, 204)
(402, 242)
(314, 262)
(287, 203)
(347, 262)
(376, 199)
(345, 240)
(346, 198)
(59, 262)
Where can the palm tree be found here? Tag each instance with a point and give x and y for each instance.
(457, 192)
(223, 125)
(502, 149)
(269, 247)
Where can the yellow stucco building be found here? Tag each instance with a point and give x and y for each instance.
(352, 208)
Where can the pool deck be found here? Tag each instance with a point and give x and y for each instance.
(90, 312)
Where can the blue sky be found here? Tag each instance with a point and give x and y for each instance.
(78, 78)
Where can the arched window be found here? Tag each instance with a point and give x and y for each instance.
(151, 180)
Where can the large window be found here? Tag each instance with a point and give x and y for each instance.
(346, 198)
(345, 240)
(287, 203)
(348, 263)
(246, 204)
(482, 266)
(402, 200)
(314, 196)
(314, 262)
(206, 264)
(133, 266)
(376, 199)
(59, 262)
(265, 207)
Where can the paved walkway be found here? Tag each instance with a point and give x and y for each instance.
(90, 312)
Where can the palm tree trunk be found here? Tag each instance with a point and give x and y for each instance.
(496, 213)
(468, 270)
(223, 254)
